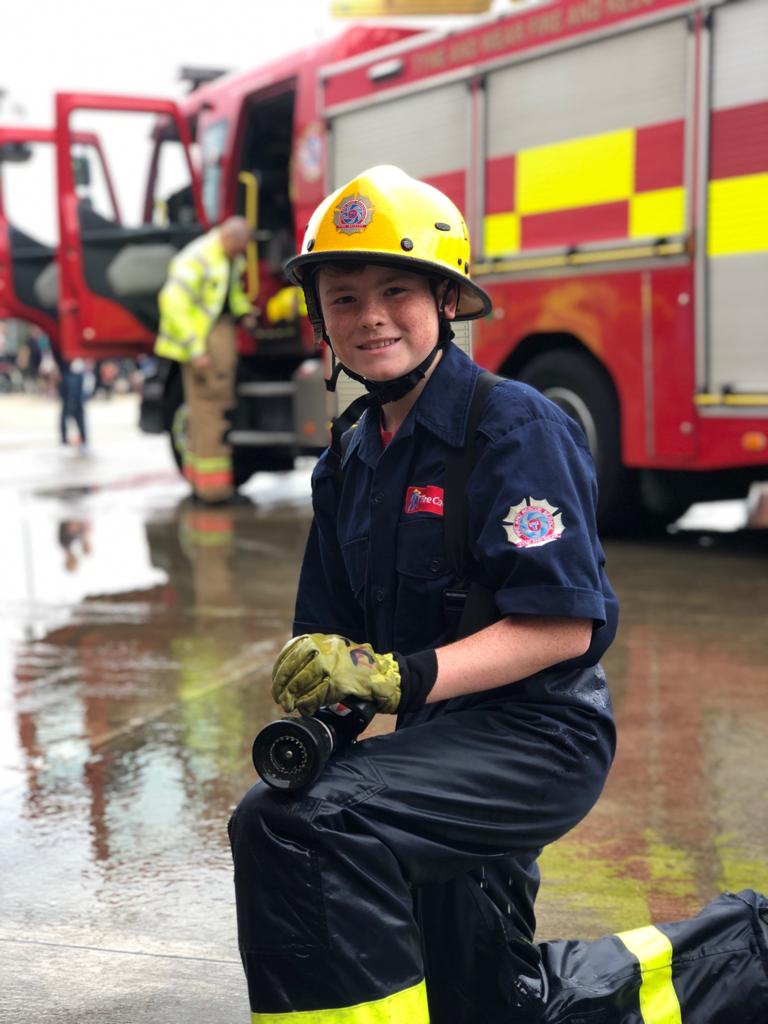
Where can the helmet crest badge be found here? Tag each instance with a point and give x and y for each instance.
(354, 213)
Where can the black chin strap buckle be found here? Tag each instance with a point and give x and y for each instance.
(336, 368)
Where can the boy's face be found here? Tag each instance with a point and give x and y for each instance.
(382, 321)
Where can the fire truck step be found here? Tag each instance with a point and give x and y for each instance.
(261, 438)
(266, 388)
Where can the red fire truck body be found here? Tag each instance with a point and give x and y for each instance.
(611, 158)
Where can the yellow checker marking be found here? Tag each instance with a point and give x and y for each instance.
(409, 1005)
(658, 999)
(738, 215)
(501, 234)
(580, 172)
(657, 213)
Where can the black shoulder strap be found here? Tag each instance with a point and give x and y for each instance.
(458, 468)
(469, 605)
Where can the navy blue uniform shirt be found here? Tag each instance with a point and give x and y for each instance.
(375, 566)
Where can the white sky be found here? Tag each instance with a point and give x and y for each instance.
(133, 47)
(138, 46)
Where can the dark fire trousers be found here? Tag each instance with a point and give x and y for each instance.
(414, 856)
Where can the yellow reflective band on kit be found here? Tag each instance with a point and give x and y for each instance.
(208, 464)
(406, 1007)
(658, 213)
(579, 172)
(501, 232)
(738, 215)
(201, 539)
(658, 999)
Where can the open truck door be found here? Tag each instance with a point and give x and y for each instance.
(29, 223)
(121, 219)
(29, 278)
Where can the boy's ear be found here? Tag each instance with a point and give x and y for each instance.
(450, 300)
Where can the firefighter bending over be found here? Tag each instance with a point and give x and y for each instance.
(400, 886)
(200, 303)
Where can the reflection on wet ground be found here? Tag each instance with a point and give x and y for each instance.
(134, 721)
(140, 632)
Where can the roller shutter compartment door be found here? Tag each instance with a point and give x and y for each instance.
(581, 149)
(426, 134)
(737, 222)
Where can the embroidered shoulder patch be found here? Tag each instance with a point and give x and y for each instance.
(533, 522)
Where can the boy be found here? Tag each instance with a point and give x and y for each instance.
(400, 886)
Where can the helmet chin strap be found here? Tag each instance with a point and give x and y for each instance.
(385, 391)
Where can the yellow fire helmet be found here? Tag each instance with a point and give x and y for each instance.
(385, 216)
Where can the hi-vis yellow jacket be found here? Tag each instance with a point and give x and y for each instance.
(194, 295)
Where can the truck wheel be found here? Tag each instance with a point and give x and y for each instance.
(581, 389)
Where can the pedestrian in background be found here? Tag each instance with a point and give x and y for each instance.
(72, 394)
(200, 303)
(31, 357)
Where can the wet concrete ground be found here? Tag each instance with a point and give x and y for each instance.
(136, 640)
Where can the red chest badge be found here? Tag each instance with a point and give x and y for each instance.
(424, 499)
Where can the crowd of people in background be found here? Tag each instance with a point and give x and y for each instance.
(28, 363)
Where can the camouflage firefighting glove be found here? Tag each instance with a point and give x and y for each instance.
(322, 668)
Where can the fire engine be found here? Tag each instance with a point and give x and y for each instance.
(611, 159)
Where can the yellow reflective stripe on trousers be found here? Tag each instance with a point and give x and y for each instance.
(406, 1007)
(207, 463)
(658, 999)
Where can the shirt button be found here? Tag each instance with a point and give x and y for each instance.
(378, 595)
(378, 498)
(435, 565)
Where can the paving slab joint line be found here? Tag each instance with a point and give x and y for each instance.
(229, 676)
(121, 952)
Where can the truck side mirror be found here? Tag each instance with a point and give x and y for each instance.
(81, 170)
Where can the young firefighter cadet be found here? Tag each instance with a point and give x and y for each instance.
(200, 302)
(400, 887)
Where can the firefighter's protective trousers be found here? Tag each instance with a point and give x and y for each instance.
(209, 394)
(400, 887)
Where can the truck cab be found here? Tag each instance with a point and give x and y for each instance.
(252, 144)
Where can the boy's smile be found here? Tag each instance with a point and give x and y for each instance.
(382, 321)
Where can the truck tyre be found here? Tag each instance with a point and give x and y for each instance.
(176, 419)
(177, 435)
(583, 390)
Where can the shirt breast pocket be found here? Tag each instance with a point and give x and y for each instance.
(355, 555)
(422, 573)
